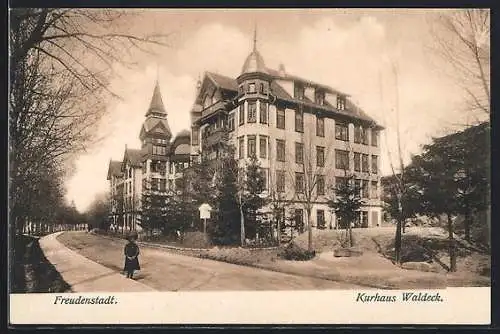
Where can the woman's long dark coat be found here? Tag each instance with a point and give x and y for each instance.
(132, 250)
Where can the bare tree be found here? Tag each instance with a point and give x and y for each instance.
(311, 168)
(60, 64)
(463, 41)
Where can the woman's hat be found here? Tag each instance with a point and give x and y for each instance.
(132, 235)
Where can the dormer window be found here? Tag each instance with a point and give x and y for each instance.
(341, 101)
(262, 88)
(319, 97)
(241, 89)
(299, 91)
(251, 88)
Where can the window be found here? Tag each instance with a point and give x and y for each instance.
(319, 97)
(299, 219)
(263, 147)
(299, 183)
(195, 136)
(251, 87)
(158, 167)
(280, 181)
(320, 185)
(265, 173)
(364, 188)
(341, 159)
(241, 116)
(320, 219)
(357, 186)
(320, 156)
(262, 91)
(364, 136)
(263, 112)
(364, 163)
(130, 173)
(341, 102)
(374, 164)
(374, 190)
(280, 118)
(241, 147)
(298, 91)
(163, 185)
(342, 131)
(357, 162)
(374, 137)
(159, 150)
(364, 218)
(340, 181)
(320, 126)
(299, 121)
(251, 146)
(155, 184)
(241, 89)
(299, 153)
(230, 121)
(360, 135)
(357, 134)
(252, 112)
(171, 168)
(280, 150)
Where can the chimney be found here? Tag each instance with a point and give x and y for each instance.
(281, 70)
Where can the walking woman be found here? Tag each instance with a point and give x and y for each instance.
(131, 252)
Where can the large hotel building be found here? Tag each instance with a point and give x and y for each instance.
(307, 136)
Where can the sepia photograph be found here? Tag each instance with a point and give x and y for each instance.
(253, 161)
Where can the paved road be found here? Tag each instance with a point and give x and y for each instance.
(165, 271)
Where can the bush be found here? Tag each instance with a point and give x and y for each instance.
(295, 253)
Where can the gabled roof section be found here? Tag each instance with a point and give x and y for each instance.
(154, 123)
(133, 156)
(114, 169)
(222, 81)
(156, 106)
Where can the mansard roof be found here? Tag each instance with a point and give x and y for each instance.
(352, 110)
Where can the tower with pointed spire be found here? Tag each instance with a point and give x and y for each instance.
(152, 169)
(155, 132)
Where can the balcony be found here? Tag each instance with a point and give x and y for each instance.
(219, 105)
(214, 137)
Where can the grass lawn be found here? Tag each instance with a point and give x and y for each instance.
(32, 272)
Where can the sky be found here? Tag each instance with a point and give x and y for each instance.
(353, 50)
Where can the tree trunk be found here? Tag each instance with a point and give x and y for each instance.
(242, 227)
(467, 224)
(452, 250)
(309, 230)
(351, 240)
(278, 234)
(397, 242)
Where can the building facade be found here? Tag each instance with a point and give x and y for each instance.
(154, 167)
(307, 136)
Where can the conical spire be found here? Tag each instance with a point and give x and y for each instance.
(156, 106)
(254, 61)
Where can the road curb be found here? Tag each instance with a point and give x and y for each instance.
(52, 248)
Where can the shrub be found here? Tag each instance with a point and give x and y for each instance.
(295, 253)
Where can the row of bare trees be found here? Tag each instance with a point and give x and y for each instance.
(61, 62)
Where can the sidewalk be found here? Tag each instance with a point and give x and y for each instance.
(84, 275)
